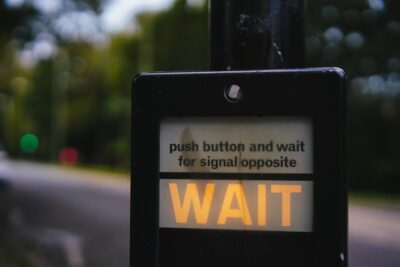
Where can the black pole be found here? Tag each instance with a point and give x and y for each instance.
(256, 34)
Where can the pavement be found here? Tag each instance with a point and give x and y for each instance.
(374, 235)
(76, 218)
(81, 219)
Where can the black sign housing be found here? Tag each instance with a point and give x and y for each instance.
(318, 93)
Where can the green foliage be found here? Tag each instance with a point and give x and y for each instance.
(374, 143)
(81, 96)
(176, 39)
(373, 128)
(35, 104)
(11, 18)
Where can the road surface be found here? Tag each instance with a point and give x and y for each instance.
(84, 218)
(82, 215)
(374, 236)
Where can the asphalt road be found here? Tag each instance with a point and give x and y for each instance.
(374, 235)
(83, 217)
(79, 219)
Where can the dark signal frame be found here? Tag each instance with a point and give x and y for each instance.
(318, 93)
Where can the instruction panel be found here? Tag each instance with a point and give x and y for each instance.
(237, 145)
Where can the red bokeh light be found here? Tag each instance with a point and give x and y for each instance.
(69, 156)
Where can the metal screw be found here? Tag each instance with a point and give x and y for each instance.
(233, 93)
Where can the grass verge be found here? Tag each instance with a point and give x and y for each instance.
(374, 198)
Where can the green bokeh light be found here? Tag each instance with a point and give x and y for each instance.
(29, 143)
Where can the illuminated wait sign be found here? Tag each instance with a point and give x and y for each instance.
(236, 205)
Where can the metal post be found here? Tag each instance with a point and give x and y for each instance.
(256, 34)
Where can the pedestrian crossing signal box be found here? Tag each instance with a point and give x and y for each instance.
(239, 169)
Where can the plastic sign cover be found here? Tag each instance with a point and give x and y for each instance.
(252, 147)
(237, 145)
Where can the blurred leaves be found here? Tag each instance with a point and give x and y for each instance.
(11, 18)
(77, 91)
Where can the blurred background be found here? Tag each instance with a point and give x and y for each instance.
(65, 84)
